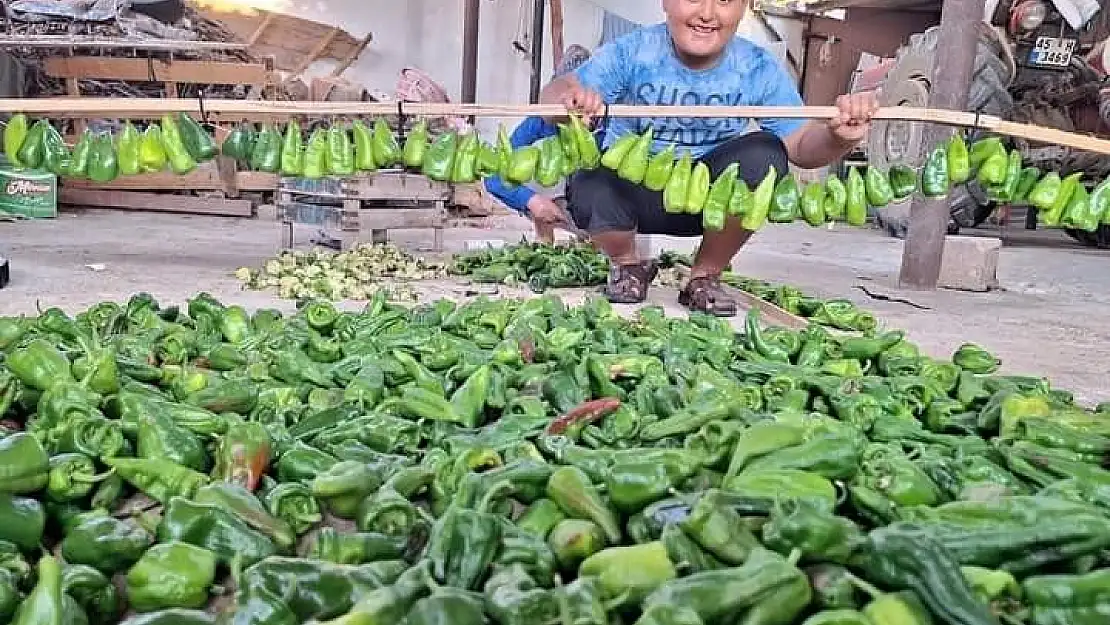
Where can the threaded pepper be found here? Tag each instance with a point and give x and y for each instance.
(341, 160)
(103, 162)
(416, 145)
(79, 159)
(588, 152)
(993, 169)
(316, 155)
(1079, 214)
(15, 133)
(440, 159)
(935, 177)
(1029, 178)
(1100, 201)
(813, 204)
(697, 193)
(387, 152)
(720, 194)
(903, 182)
(196, 139)
(785, 202)
(292, 150)
(615, 155)
(855, 206)
(659, 169)
(549, 170)
(634, 165)
(30, 152)
(877, 185)
(364, 147)
(1044, 194)
(56, 158)
(678, 185)
(181, 161)
(569, 142)
(957, 160)
(466, 159)
(239, 142)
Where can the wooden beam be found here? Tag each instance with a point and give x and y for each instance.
(104, 43)
(351, 56)
(558, 45)
(157, 202)
(156, 70)
(262, 26)
(951, 81)
(311, 57)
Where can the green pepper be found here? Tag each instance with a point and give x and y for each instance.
(105, 543)
(1044, 194)
(30, 152)
(855, 206)
(79, 159)
(901, 608)
(181, 161)
(196, 139)
(72, 476)
(836, 198)
(247, 507)
(784, 484)
(813, 204)
(719, 529)
(466, 159)
(43, 606)
(15, 134)
(785, 202)
(160, 479)
(364, 147)
(57, 160)
(343, 486)
(570, 488)
(1079, 213)
(1100, 201)
(152, 152)
(341, 159)
(974, 359)
(819, 535)
(741, 202)
(93, 592)
(213, 528)
(569, 143)
(767, 587)
(832, 587)
(614, 156)
(659, 169)
(387, 151)
(243, 454)
(588, 152)
(239, 142)
(103, 163)
(935, 177)
(160, 437)
(22, 521)
(24, 464)
(678, 185)
(877, 186)
(294, 504)
(907, 557)
(903, 182)
(357, 548)
(994, 168)
(958, 161)
(1013, 176)
(838, 617)
(171, 575)
(1029, 178)
(1073, 599)
(634, 165)
(292, 150)
(983, 149)
(416, 145)
(464, 541)
(716, 203)
(574, 540)
(316, 155)
(440, 159)
(630, 573)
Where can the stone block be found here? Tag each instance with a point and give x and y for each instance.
(482, 244)
(652, 245)
(970, 263)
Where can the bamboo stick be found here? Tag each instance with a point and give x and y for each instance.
(258, 110)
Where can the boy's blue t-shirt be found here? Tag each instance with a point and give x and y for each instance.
(642, 68)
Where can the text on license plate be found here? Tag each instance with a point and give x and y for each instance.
(1052, 51)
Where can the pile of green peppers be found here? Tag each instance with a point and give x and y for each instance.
(521, 461)
(538, 265)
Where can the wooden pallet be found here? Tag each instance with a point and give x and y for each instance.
(365, 204)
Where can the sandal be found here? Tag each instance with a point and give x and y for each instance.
(706, 295)
(628, 284)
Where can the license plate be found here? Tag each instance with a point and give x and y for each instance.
(1052, 52)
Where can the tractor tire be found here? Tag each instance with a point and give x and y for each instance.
(907, 84)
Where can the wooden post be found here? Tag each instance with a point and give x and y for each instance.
(952, 67)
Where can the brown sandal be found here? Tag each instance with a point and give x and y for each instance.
(706, 295)
(628, 284)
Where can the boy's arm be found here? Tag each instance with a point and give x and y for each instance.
(516, 198)
(605, 78)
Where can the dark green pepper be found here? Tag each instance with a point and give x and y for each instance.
(105, 543)
(171, 575)
(877, 185)
(935, 177)
(903, 181)
(213, 528)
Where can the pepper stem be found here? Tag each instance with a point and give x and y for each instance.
(866, 587)
(495, 493)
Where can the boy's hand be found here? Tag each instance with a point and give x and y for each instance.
(543, 210)
(580, 100)
(856, 110)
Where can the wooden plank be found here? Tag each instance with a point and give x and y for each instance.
(397, 186)
(73, 88)
(156, 70)
(225, 169)
(256, 181)
(262, 26)
(156, 202)
(106, 43)
(400, 218)
(768, 311)
(203, 178)
(350, 58)
(315, 53)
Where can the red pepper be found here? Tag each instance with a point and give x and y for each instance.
(586, 412)
(527, 350)
(243, 455)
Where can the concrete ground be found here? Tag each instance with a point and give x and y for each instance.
(1049, 318)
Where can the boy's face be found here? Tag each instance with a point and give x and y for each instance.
(702, 28)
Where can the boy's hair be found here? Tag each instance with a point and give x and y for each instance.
(574, 57)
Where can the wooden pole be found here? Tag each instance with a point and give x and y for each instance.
(955, 59)
(471, 14)
(536, 79)
(558, 47)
